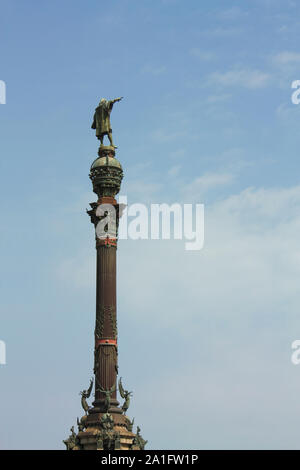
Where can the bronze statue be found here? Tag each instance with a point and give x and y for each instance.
(129, 424)
(81, 423)
(107, 422)
(117, 441)
(101, 121)
(138, 440)
(99, 441)
(126, 395)
(108, 438)
(107, 396)
(72, 440)
(84, 395)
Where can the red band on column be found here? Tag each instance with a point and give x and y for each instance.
(106, 341)
(106, 241)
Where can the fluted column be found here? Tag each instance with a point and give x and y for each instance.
(106, 175)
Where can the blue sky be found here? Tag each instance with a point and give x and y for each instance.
(205, 337)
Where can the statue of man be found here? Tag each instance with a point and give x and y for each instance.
(101, 120)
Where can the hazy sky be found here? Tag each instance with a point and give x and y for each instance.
(204, 337)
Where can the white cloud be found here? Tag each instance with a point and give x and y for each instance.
(283, 29)
(140, 190)
(288, 114)
(286, 58)
(242, 77)
(251, 246)
(196, 189)
(162, 136)
(232, 309)
(174, 171)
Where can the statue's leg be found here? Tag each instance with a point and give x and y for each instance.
(109, 134)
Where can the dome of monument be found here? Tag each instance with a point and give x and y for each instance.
(106, 161)
(106, 173)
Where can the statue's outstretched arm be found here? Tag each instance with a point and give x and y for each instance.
(112, 102)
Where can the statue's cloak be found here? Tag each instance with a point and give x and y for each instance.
(101, 120)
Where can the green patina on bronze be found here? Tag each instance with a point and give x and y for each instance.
(72, 440)
(107, 394)
(84, 395)
(81, 423)
(101, 121)
(129, 424)
(106, 175)
(138, 440)
(113, 321)
(108, 438)
(99, 326)
(124, 394)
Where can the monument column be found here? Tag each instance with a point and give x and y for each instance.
(105, 425)
(106, 175)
